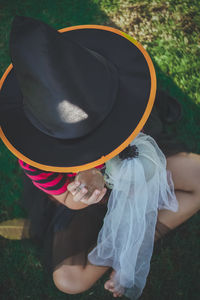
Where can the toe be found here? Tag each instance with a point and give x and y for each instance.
(109, 285)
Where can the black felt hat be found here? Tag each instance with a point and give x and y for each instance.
(74, 98)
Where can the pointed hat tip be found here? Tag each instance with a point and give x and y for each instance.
(18, 20)
(21, 20)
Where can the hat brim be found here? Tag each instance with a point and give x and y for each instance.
(135, 99)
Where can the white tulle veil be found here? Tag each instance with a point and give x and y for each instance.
(140, 187)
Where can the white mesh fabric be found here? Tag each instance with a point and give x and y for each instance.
(140, 186)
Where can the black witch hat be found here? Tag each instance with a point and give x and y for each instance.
(73, 99)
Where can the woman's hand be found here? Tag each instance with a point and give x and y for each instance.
(79, 194)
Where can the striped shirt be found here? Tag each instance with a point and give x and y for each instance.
(50, 182)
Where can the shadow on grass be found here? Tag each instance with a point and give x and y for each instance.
(188, 128)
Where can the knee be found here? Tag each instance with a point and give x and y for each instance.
(68, 281)
(185, 168)
(196, 173)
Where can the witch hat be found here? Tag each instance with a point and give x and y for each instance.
(74, 98)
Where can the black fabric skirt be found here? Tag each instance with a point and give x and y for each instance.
(63, 234)
(66, 235)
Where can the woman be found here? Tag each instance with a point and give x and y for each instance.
(71, 112)
(74, 279)
(185, 170)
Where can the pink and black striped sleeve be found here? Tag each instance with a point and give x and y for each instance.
(50, 182)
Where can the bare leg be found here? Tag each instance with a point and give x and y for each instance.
(73, 279)
(185, 168)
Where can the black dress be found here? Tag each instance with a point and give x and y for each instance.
(66, 235)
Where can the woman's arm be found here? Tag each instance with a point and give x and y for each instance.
(56, 185)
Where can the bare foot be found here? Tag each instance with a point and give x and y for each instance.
(110, 285)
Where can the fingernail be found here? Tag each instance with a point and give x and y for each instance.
(77, 182)
(84, 190)
(97, 192)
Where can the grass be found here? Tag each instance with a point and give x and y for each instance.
(170, 33)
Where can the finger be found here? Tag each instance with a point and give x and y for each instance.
(79, 188)
(73, 186)
(92, 198)
(79, 196)
(101, 195)
(96, 197)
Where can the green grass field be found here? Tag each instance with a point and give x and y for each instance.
(170, 33)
